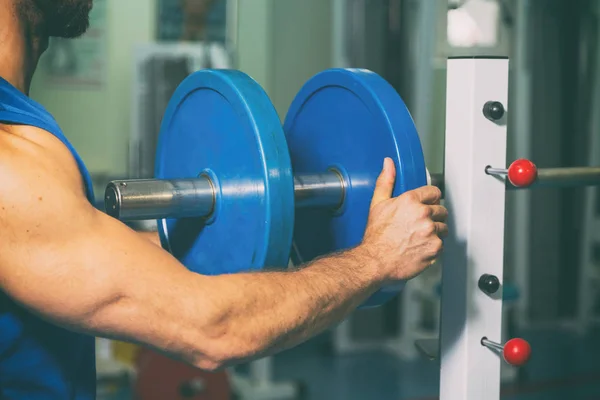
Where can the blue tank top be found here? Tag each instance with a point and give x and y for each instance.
(39, 360)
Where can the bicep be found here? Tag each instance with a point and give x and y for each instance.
(66, 261)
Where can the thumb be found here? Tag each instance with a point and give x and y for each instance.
(384, 186)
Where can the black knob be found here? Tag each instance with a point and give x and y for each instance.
(493, 110)
(489, 284)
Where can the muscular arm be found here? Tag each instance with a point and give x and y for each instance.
(78, 268)
(152, 237)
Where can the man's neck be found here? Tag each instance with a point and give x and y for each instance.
(20, 47)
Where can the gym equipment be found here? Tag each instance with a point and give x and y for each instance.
(219, 117)
(349, 121)
(221, 127)
(475, 192)
(474, 142)
(515, 352)
(524, 174)
(224, 170)
(159, 377)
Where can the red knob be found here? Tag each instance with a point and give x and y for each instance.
(522, 173)
(517, 352)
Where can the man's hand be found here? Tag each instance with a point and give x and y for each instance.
(404, 233)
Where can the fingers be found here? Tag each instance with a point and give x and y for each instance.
(441, 229)
(438, 213)
(435, 221)
(428, 195)
(385, 183)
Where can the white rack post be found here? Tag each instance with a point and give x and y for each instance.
(475, 246)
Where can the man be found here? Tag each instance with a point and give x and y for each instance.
(69, 272)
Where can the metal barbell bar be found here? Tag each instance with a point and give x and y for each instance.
(146, 199)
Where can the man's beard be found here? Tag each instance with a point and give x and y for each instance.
(61, 18)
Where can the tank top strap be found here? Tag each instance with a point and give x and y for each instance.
(18, 109)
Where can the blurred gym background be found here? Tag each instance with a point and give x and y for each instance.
(109, 89)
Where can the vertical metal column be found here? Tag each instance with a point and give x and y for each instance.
(424, 71)
(589, 276)
(521, 132)
(339, 34)
(475, 246)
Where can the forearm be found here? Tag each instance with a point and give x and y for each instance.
(263, 313)
(213, 322)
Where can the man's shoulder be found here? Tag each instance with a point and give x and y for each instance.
(28, 140)
(30, 154)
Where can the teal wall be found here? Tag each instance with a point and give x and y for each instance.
(301, 46)
(97, 120)
(280, 43)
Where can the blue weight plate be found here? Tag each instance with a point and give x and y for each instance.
(222, 123)
(350, 120)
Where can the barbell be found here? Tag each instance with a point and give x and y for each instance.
(236, 191)
(229, 175)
